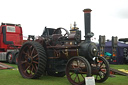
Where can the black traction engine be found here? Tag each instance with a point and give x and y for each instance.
(58, 52)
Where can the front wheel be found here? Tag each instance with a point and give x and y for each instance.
(77, 69)
(102, 68)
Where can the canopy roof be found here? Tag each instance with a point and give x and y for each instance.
(109, 43)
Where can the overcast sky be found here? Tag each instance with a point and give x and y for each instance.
(108, 17)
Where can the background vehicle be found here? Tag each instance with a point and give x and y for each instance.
(11, 39)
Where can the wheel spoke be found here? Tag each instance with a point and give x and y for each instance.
(35, 56)
(78, 78)
(24, 53)
(27, 68)
(32, 51)
(101, 64)
(103, 73)
(36, 66)
(100, 75)
(29, 50)
(35, 62)
(96, 77)
(33, 67)
(65, 34)
(30, 69)
(75, 77)
(24, 62)
(28, 54)
(82, 76)
(72, 74)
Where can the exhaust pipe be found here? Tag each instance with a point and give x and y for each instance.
(87, 20)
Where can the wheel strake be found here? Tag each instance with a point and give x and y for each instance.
(32, 60)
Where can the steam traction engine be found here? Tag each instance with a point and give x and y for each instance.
(57, 53)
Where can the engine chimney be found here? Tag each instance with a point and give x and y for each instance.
(87, 48)
(87, 20)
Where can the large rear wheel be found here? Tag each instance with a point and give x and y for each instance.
(32, 60)
(77, 69)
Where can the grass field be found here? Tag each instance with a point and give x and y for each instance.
(13, 77)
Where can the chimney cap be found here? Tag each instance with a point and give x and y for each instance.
(87, 10)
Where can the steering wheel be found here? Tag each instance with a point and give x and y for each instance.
(58, 31)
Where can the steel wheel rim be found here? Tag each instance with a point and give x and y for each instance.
(28, 61)
(74, 77)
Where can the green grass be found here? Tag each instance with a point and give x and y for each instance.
(119, 67)
(13, 77)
